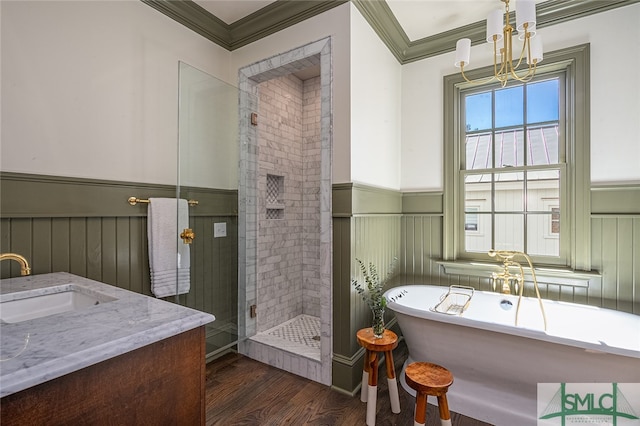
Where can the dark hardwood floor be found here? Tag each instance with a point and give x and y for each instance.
(241, 391)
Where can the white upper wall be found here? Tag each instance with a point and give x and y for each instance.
(376, 86)
(615, 99)
(90, 89)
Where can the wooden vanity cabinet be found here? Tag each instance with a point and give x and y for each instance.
(158, 384)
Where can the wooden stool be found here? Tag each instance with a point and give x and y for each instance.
(429, 379)
(373, 346)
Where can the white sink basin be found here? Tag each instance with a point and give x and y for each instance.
(32, 304)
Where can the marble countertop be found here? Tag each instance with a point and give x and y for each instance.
(41, 349)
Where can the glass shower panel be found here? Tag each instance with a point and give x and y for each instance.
(208, 179)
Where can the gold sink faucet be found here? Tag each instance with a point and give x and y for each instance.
(24, 265)
(506, 277)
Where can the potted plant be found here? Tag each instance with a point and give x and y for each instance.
(372, 292)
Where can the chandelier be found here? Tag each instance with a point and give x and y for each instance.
(500, 33)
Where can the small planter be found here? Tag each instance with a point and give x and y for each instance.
(378, 323)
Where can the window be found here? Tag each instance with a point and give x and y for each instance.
(524, 149)
(513, 156)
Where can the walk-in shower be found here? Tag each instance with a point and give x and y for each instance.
(285, 211)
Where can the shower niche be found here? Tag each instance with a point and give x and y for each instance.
(275, 191)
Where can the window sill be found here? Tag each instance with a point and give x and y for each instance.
(559, 276)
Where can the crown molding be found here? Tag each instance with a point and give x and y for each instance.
(384, 23)
(270, 19)
(550, 12)
(275, 17)
(195, 18)
(285, 13)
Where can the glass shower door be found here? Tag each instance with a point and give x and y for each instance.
(208, 179)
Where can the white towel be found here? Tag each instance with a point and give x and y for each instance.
(168, 256)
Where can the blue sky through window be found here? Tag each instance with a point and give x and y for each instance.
(542, 106)
(478, 111)
(542, 101)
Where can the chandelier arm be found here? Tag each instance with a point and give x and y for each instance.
(480, 81)
(502, 72)
(506, 57)
(525, 47)
(531, 71)
(462, 72)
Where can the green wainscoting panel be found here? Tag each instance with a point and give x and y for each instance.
(342, 247)
(26, 195)
(366, 226)
(615, 253)
(422, 202)
(622, 199)
(371, 200)
(354, 199)
(421, 237)
(347, 372)
(87, 227)
(110, 250)
(341, 200)
(377, 241)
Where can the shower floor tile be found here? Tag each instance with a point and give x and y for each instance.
(300, 335)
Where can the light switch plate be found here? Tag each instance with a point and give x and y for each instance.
(219, 229)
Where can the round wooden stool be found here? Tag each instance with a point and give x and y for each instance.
(429, 379)
(387, 343)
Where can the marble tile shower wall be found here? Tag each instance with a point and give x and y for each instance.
(311, 142)
(284, 244)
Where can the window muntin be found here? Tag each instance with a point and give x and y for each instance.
(513, 159)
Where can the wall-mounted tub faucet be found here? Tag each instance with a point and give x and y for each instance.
(24, 265)
(505, 277)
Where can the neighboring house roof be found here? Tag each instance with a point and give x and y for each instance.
(541, 149)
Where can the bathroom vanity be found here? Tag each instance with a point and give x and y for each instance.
(76, 351)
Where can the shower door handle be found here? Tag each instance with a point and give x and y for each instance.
(187, 236)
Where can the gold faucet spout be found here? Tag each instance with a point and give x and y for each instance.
(24, 265)
(505, 277)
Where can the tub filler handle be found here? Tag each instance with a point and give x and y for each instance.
(506, 256)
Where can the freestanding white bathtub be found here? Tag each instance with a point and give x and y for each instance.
(497, 366)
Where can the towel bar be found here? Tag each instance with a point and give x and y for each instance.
(133, 201)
